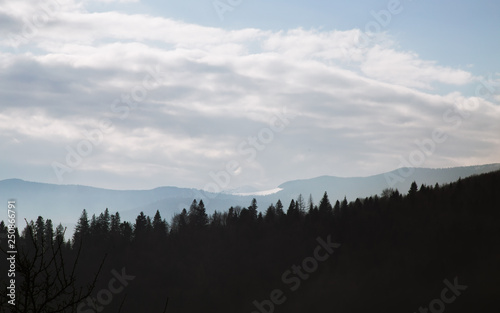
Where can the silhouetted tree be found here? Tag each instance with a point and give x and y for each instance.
(40, 232)
(140, 227)
(387, 192)
(343, 205)
(413, 190)
(336, 209)
(279, 210)
(159, 226)
(179, 221)
(127, 231)
(253, 209)
(310, 204)
(82, 229)
(104, 221)
(293, 213)
(270, 215)
(59, 239)
(197, 216)
(94, 227)
(325, 207)
(49, 233)
(114, 227)
(301, 205)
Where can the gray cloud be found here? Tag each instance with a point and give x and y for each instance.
(218, 90)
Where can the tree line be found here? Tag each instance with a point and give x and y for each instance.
(396, 249)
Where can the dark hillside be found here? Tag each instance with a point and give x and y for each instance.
(397, 253)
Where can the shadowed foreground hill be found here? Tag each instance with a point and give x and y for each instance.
(397, 253)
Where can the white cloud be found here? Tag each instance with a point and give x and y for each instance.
(120, 1)
(358, 108)
(405, 68)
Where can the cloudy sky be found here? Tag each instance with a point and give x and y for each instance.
(222, 94)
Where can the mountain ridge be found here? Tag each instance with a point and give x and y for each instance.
(64, 203)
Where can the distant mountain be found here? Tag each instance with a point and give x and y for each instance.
(64, 203)
(355, 187)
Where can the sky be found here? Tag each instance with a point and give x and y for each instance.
(218, 95)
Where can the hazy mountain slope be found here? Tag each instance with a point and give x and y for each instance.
(64, 203)
(354, 187)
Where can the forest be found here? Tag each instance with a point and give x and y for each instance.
(431, 248)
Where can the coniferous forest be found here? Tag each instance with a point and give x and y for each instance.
(428, 249)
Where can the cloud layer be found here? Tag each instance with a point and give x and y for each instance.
(181, 102)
